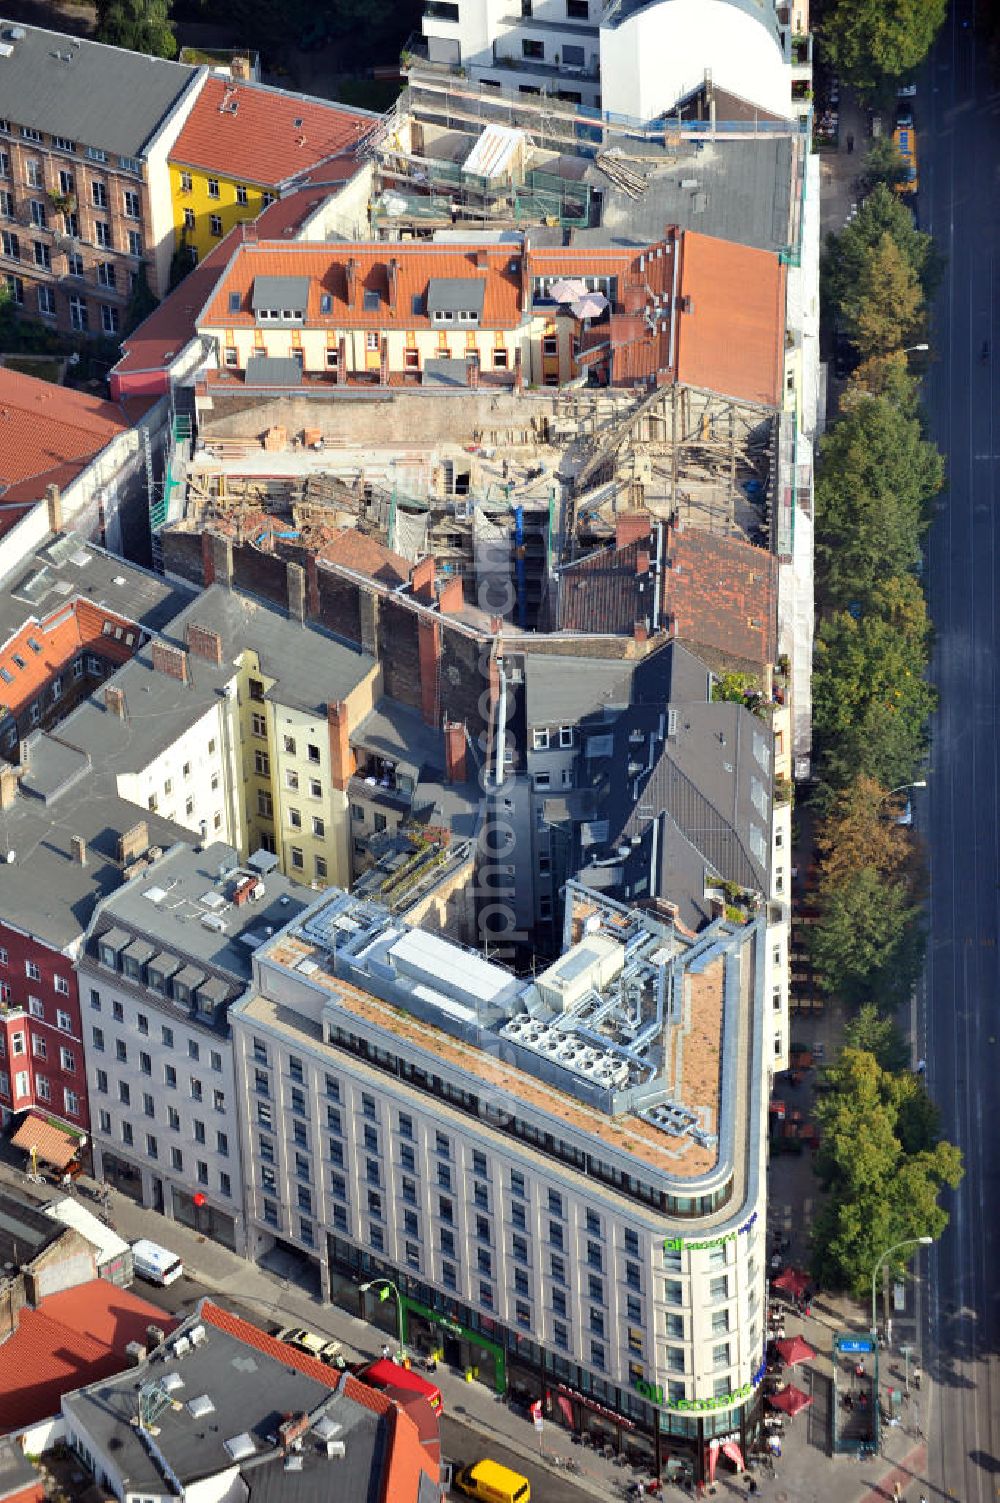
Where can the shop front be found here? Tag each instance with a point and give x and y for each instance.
(473, 1352)
(598, 1425)
(196, 1211)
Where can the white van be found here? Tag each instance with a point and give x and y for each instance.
(155, 1263)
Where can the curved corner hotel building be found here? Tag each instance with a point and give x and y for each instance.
(564, 1177)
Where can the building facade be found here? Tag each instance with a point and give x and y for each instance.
(41, 1034)
(84, 197)
(412, 1111)
(163, 960)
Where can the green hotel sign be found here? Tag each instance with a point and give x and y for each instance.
(654, 1393)
(679, 1244)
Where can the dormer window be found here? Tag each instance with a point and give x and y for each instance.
(326, 302)
(372, 300)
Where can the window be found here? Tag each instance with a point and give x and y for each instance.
(131, 203)
(673, 1292)
(532, 49)
(719, 1288)
(215, 225)
(540, 740)
(152, 1147)
(213, 187)
(720, 1321)
(106, 278)
(15, 286)
(148, 1105)
(102, 234)
(557, 1269)
(176, 1159)
(675, 1327)
(559, 1301)
(516, 1183)
(632, 1277)
(121, 1052)
(316, 790)
(74, 268)
(98, 1037)
(42, 254)
(127, 1136)
(560, 1335)
(225, 1185)
(99, 195)
(124, 1094)
(167, 1037)
(186, 182)
(594, 1256)
(633, 1308)
(675, 1359)
(298, 861)
(78, 311)
(291, 780)
(38, 1046)
(189, 219)
(720, 1354)
(518, 1215)
(101, 1081)
(109, 319)
(145, 1063)
(519, 1248)
(170, 1077)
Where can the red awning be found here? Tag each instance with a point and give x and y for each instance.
(49, 1142)
(794, 1349)
(790, 1400)
(792, 1281)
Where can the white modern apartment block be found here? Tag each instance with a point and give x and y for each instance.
(564, 1177)
(164, 958)
(636, 58)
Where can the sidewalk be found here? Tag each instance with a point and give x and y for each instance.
(805, 1472)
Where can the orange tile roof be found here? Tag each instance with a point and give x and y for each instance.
(48, 434)
(269, 137)
(51, 1143)
(75, 626)
(732, 340)
(327, 270)
(72, 1338)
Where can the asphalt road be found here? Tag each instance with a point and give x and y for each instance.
(958, 124)
(461, 1444)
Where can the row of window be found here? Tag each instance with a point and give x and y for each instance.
(176, 1155)
(39, 1049)
(103, 1088)
(34, 973)
(500, 355)
(79, 312)
(156, 976)
(106, 272)
(214, 187)
(43, 1092)
(63, 143)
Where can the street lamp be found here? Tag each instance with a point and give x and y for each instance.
(917, 783)
(386, 1288)
(913, 348)
(907, 1242)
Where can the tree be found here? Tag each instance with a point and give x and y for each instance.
(867, 941)
(879, 1190)
(883, 311)
(138, 25)
(847, 253)
(876, 479)
(141, 301)
(871, 700)
(883, 376)
(869, 41)
(855, 833)
(883, 164)
(871, 1031)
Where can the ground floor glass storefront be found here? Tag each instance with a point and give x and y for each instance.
(600, 1413)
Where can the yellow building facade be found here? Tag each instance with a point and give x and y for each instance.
(207, 205)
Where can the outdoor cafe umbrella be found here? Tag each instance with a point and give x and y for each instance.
(590, 306)
(794, 1349)
(791, 1400)
(792, 1282)
(567, 290)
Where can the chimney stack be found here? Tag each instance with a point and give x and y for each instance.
(78, 846)
(53, 502)
(24, 753)
(114, 700)
(393, 273)
(341, 756)
(422, 579)
(202, 642)
(351, 278)
(454, 751)
(8, 786)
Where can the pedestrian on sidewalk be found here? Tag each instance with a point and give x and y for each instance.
(897, 1493)
(850, 142)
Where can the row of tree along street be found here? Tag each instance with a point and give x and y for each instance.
(881, 1159)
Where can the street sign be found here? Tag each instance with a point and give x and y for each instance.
(855, 1344)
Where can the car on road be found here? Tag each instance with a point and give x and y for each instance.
(319, 1347)
(387, 1374)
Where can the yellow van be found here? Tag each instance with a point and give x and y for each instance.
(493, 1483)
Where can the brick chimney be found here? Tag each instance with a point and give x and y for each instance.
(295, 578)
(454, 751)
(78, 848)
(341, 756)
(133, 842)
(53, 502)
(170, 661)
(202, 642)
(392, 273)
(216, 559)
(114, 700)
(631, 527)
(642, 562)
(640, 632)
(351, 279)
(422, 579)
(451, 598)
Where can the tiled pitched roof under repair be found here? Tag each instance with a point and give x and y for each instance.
(731, 327)
(255, 134)
(605, 592)
(366, 555)
(72, 1338)
(48, 434)
(721, 592)
(396, 275)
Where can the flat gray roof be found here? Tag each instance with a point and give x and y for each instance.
(44, 889)
(312, 670)
(90, 93)
(66, 566)
(280, 292)
(456, 294)
(273, 370)
(167, 907)
(251, 1393)
(737, 190)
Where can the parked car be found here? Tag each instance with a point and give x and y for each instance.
(319, 1347)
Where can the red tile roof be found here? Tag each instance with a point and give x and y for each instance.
(328, 268)
(254, 134)
(72, 1338)
(732, 339)
(48, 434)
(604, 592)
(721, 593)
(74, 627)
